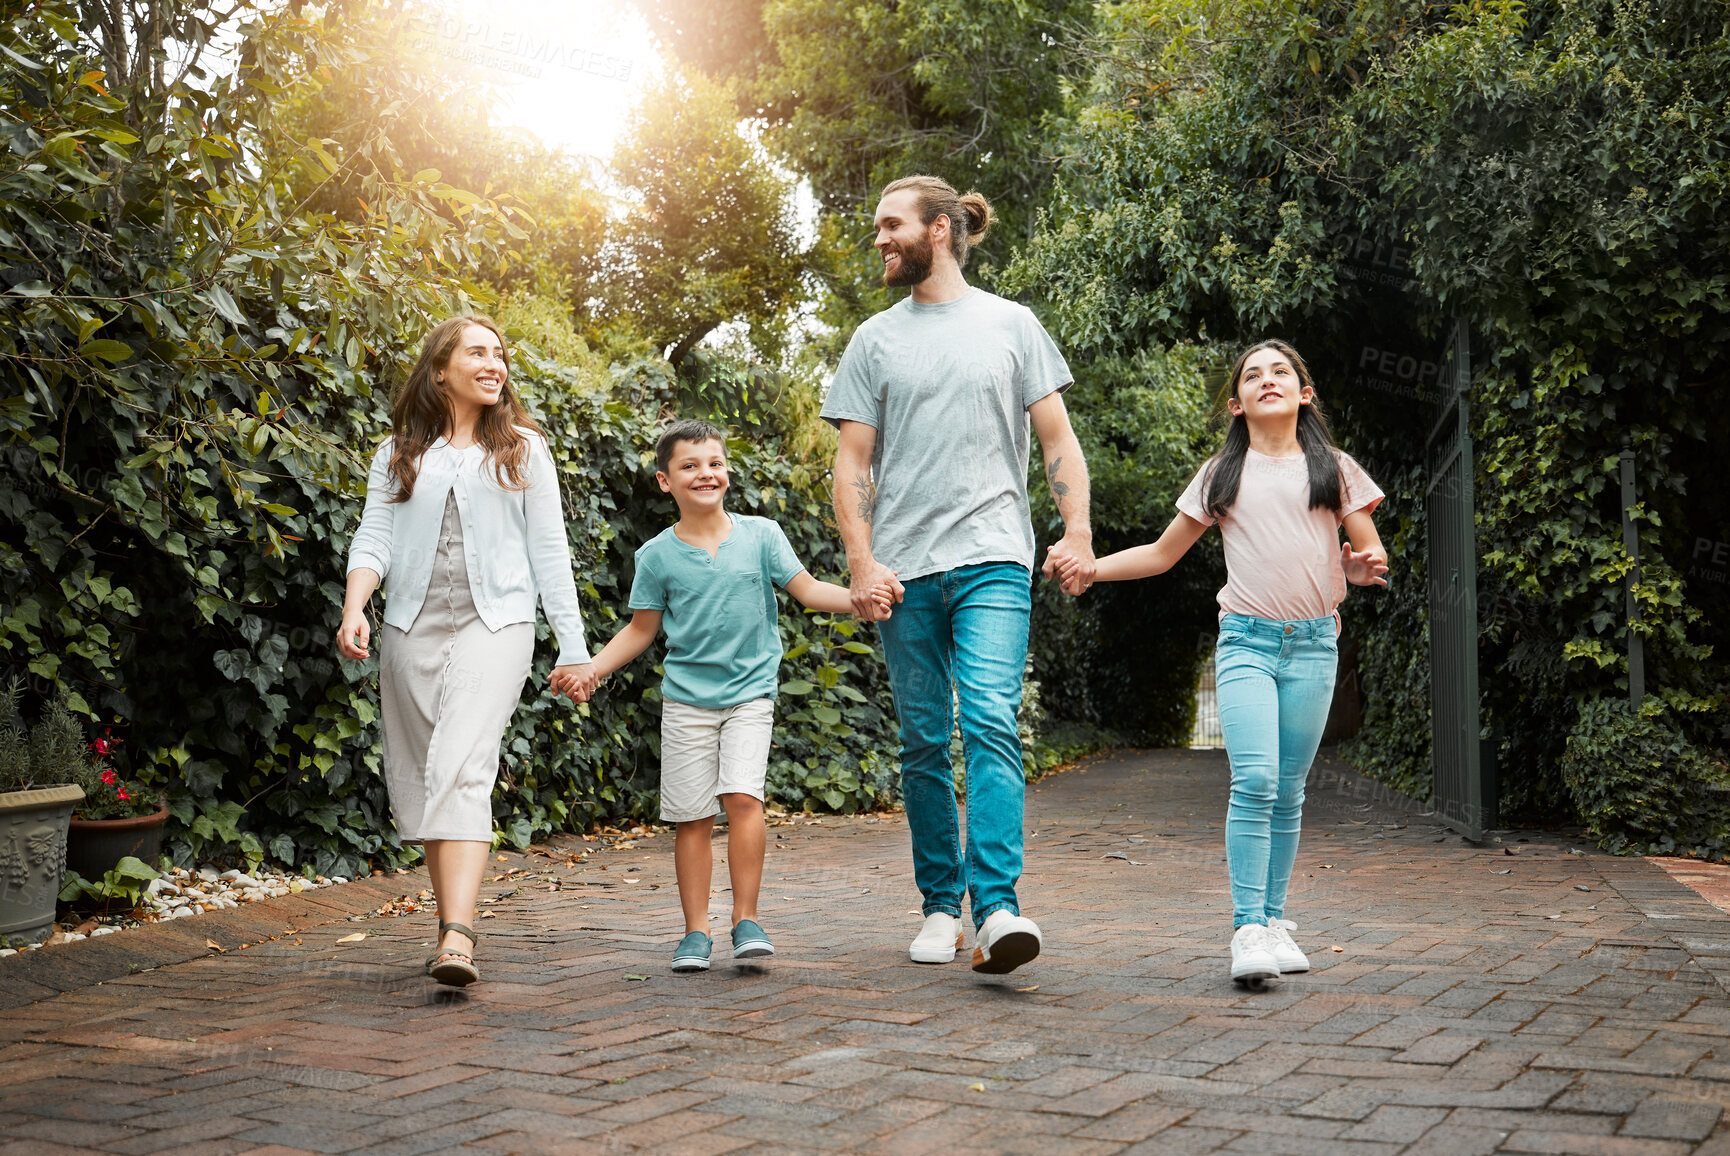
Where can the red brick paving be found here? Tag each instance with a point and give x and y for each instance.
(1554, 1000)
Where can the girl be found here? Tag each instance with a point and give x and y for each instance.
(1280, 491)
(463, 517)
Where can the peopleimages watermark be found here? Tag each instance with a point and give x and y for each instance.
(516, 48)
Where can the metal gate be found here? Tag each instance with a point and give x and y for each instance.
(1465, 796)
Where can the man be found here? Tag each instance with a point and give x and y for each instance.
(933, 400)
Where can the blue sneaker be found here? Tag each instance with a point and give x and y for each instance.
(692, 954)
(749, 940)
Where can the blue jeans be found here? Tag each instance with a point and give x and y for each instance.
(1275, 682)
(962, 630)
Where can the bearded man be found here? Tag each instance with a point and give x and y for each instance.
(933, 399)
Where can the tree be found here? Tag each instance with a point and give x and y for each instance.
(1552, 172)
(710, 238)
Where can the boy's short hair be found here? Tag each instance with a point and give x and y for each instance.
(689, 430)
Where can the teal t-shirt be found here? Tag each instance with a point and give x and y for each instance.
(723, 640)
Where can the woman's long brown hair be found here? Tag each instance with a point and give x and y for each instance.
(421, 413)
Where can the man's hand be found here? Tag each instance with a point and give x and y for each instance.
(576, 681)
(867, 587)
(1070, 561)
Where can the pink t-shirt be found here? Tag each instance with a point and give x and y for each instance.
(1282, 559)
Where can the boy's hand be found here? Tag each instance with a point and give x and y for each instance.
(863, 589)
(884, 596)
(577, 681)
(1363, 569)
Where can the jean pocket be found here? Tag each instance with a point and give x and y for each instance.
(1230, 637)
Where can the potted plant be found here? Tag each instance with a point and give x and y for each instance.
(43, 773)
(116, 819)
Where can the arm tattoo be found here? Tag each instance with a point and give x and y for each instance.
(867, 499)
(1059, 490)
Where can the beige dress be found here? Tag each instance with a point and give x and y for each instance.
(448, 688)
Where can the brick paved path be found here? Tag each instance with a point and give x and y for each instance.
(1553, 1000)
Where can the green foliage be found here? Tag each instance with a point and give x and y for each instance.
(1127, 654)
(123, 885)
(856, 95)
(711, 237)
(1552, 172)
(1642, 788)
(198, 335)
(48, 754)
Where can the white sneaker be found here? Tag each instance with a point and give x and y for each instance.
(1004, 942)
(938, 940)
(1285, 951)
(1252, 958)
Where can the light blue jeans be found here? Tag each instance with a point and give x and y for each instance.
(965, 631)
(1275, 682)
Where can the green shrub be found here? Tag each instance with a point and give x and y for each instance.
(49, 754)
(1642, 787)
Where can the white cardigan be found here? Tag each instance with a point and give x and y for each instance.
(515, 539)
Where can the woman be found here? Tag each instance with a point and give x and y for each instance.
(463, 517)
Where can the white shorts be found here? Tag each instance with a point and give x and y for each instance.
(707, 753)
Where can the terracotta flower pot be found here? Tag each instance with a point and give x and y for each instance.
(32, 859)
(95, 846)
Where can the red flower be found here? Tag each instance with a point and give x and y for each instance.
(108, 776)
(100, 746)
(123, 795)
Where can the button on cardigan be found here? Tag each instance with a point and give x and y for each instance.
(514, 540)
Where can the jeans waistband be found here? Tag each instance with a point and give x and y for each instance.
(1276, 628)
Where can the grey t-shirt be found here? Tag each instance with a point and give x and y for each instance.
(947, 387)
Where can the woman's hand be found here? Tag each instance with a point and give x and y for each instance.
(354, 635)
(577, 681)
(1365, 568)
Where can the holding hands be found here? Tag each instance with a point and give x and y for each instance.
(577, 681)
(1363, 568)
(1070, 561)
(875, 590)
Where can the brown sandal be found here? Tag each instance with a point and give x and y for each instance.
(450, 966)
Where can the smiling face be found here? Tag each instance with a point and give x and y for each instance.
(1268, 388)
(696, 476)
(476, 373)
(908, 247)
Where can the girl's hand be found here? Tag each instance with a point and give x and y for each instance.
(354, 635)
(1073, 583)
(1363, 569)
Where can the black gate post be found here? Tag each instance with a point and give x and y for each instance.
(1464, 799)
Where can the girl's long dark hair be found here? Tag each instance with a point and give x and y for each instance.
(421, 413)
(1225, 472)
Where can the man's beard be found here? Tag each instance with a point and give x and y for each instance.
(914, 266)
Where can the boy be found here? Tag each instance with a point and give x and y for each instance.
(710, 579)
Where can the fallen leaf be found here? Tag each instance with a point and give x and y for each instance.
(1510, 850)
(355, 938)
(976, 1087)
(1325, 865)
(638, 978)
(486, 915)
(1579, 887)
(1337, 947)
(85, 928)
(1503, 871)
(215, 946)
(1035, 987)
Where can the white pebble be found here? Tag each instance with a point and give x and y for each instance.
(180, 911)
(5, 951)
(103, 931)
(208, 874)
(244, 881)
(195, 893)
(339, 879)
(73, 937)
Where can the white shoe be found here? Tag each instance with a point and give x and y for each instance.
(1252, 958)
(1285, 951)
(1004, 942)
(938, 940)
